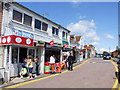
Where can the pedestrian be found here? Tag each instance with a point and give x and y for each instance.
(23, 72)
(26, 64)
(30, 66)
(52, 63)
(37, 65)
(118, 73)
(70, 62)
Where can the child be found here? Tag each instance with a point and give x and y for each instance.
(23, 71)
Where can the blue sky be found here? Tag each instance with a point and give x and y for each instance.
(95, 21)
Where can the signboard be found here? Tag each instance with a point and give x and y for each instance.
(13, 39)
(23, 34)
(40, 43)
(52, 43)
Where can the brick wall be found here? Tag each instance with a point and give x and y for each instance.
(1, 14)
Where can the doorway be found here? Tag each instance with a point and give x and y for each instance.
(22, 54)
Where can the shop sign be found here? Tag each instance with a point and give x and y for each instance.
(66, 46)
(23, 34)
(40, 43)
(57, 44)
(52, 43)
(18, 40)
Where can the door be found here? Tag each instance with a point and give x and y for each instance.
(22, 56)
(14, 62)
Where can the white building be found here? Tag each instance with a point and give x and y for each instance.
(76, 45)
(24, 32)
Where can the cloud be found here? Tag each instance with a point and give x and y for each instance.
(101, 50)
(95, 43)
(85, 28)
(109, 36)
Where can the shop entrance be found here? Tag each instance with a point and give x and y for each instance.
(51, 51)
(22, 54)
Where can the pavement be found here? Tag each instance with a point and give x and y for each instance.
(94, 73)
(17, 80)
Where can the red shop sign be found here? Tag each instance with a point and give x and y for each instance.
(52, 43)
(65, 45)
(17, 40)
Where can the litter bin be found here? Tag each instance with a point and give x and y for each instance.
(47, 68)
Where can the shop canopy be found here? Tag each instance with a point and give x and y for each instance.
(16, 40)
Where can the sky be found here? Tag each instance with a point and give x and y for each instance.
(96, 22)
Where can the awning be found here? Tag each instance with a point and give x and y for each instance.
(16, 40)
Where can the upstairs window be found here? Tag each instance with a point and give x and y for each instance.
(66, 35)
(63, 34)
(27, 20)
(37, 24)
(17, 16)
(55, 31)
(44, 26)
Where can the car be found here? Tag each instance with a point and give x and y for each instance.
(106, 56)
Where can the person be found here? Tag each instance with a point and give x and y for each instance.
(30, 66)
(52, 63)
(118, 73)
(37, 66)
(23, 71)
(70, 62)
(63, 64)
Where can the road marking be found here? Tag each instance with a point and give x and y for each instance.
(116, 81)
(28, 82)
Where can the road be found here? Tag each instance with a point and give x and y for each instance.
(95, 73)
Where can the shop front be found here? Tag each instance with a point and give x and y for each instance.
(53, 48)
(16, 50)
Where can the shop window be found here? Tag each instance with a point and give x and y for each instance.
(37, 24)
(14, 55)
(27, 20)
(55, 31)
(44, 26)
(17, 16)
(32, 52)
(63, 34)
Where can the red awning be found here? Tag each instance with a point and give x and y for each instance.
(17, 40)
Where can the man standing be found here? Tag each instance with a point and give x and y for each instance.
(52, 62)
(70, 62)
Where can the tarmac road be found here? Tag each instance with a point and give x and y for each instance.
(96, 73)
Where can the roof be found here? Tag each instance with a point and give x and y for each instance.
(72, 37)
(40, 15)
(78, 38)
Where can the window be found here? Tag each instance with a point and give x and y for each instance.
(44, 26)
(66, 35)
(63, 34)
(55, 31)
(14, 55)
(27, 20)
(32, 52)
(17, 16)
(37, 24)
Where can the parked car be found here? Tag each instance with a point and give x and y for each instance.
(106, 56)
